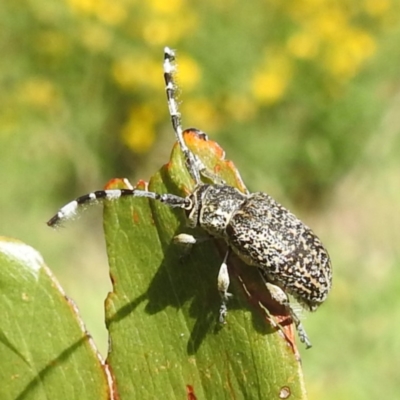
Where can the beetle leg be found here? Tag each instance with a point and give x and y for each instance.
(280, 297)
(223, 284)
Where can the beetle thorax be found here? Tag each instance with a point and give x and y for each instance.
(213, 206)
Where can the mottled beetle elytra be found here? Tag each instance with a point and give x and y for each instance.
(290, 258)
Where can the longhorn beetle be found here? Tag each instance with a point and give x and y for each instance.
(290, 257)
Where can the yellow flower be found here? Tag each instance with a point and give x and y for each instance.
(303, 45)
(361, 45)
(131, 72)
(345, 58)
(270, 83)
(165, 7)
(268, 87)
(240, 107)
(82, 6)
(200, 113)
(139, 131)
(161, 29)
(189, 73)
(38, 92)
(158, 31)
(108, 11)
(95, 37)
(378, 8)
(329, 23)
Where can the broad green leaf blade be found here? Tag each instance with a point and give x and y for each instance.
(45, 352)
(163, 312)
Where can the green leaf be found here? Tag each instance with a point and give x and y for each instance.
(163, 312)
(45, 351)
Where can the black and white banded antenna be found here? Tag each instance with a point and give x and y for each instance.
(71, 209)
(194, 165)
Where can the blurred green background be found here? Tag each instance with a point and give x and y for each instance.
(302, 94)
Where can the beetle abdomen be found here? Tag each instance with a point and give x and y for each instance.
(265, 234)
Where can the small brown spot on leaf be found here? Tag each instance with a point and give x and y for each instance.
(135, 217)
(190, 393)
(217, 168)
